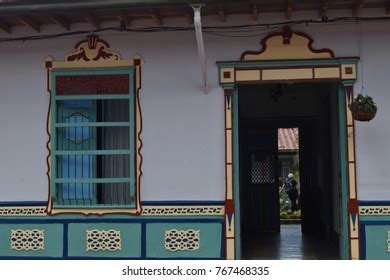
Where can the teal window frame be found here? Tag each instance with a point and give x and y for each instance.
(54, 125)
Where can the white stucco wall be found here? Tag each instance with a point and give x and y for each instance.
(183, 132)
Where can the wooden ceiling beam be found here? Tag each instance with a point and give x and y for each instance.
(255, 12)
(221, 13)
(189, 16)
(289, 10)
(5, 27)
(29, 22)
(387, 7)
(123, 17)
(357, 8)
(156, 17)
(92, 20)
(324, 8)
(61, 21)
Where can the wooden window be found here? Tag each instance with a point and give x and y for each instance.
(93, 138)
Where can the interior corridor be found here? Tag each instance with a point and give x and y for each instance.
(288, 244)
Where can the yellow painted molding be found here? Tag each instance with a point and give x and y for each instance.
(248, 75)
(230, 251)
(92, 211)
(287, 74)
(229, 181)
(354, 249)
(327, 73)
(352, 180)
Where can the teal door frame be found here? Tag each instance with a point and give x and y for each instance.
(349, 220)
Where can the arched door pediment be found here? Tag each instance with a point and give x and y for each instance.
(287, 56)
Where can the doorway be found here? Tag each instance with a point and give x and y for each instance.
(311, 109)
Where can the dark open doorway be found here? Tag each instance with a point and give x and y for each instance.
(312, 109)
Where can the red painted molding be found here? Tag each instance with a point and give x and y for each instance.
(137, 62)
(229, 206)
(92, 41)
(348, 89)
(353, 207)
(92, 84)
(348, 70)
(48, 64)
(287, 34)
(228, 90)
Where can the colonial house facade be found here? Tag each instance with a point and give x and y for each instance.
(134, 130)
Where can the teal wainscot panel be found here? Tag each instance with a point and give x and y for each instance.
(377, 239)
(104, 240)
(31, 240)
(184, 240)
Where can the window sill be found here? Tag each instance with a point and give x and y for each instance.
(94, 211)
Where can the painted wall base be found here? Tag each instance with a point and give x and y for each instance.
(193, 231)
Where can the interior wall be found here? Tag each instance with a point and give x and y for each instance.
(183, 128)
(335, 156)
(318, 150)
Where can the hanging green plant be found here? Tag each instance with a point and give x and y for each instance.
(363, 108)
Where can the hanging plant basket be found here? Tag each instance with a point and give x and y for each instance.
(363, 116)
(363, 108)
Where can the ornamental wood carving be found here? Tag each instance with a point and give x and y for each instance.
(287, 45)
(94, 49)
(92, 52)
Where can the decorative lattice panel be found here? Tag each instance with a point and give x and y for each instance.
(27, 240)
(262, 168)
(182, 210)
(182, 240)
(23, 211)
(388, 241)
(374, 210)
(103, 240)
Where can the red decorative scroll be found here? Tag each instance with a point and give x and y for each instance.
(92, 84)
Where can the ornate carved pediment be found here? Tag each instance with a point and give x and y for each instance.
(287, 45)
(94, 49)
(93, 52)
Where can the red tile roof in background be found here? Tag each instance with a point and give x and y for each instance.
(288, 139)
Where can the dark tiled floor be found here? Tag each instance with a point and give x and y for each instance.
(289, 244)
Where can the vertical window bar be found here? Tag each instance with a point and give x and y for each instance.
(125, 166)
(92, 197)
(82, 162)
(75, 176)
(111, 157)
(115, 159)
